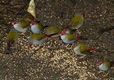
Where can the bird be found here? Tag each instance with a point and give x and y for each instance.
(67, 37)
(37, 39)
(37, 27)
(82, 49)
(11, 38)
(20, 26)
(53, 30)
(105, 65)
(76, 22)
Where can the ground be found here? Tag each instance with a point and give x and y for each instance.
(54, 60)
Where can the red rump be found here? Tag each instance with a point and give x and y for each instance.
(78, 38)
(47, 36)
(61, 34)
(91, 49)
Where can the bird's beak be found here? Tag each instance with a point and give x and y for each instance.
(31, 24)
(9, 23)
(13, 23)
(99, 63)
(61, 34)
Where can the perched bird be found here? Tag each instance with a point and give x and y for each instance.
(38, 38)
(68, 38)
(71, 31)
(21, 26)
(11, 38)
(76, 21)
(53, 30)
(37, 27)
(83, 49)
(104, 65)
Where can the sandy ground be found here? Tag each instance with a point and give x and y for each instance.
(54, 60)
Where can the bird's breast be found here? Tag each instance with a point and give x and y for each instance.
(19, 28)
(35, 29)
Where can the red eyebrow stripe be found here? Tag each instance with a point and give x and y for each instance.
(100, 63)
(61, 34)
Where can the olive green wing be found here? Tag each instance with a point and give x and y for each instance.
(38, 36)
(12, 35)
(71, 36)
(84, 48)
(24, 24)
(77, 20)
(53, 30)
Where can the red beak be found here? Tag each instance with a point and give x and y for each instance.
(33, 23)
(10, 23)
(13, 23)
(99, 63)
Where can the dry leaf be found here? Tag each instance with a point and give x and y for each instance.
(31, 8)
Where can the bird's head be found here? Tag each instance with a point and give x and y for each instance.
(33, 23)
(101, 62)
(63, 33)
(13, 23)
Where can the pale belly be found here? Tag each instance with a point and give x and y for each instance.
(39, 41)
(65, 40)
(20, 29)
(35, 29)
